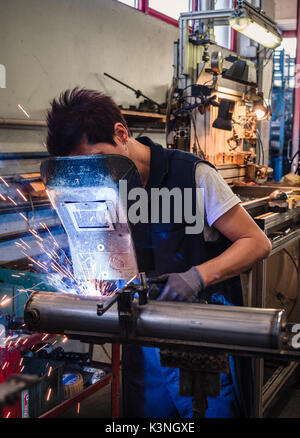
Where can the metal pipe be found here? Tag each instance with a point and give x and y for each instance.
(22, 122)
(50, 312)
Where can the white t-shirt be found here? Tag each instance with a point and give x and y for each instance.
(218, 197)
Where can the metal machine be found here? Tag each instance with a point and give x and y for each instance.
(215, 103)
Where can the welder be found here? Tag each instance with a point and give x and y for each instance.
(196, 267)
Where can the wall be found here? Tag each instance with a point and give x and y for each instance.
(286, 14)
(48, 46)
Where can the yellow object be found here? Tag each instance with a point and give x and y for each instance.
(72, 384)
(256, 32)
(291, 180)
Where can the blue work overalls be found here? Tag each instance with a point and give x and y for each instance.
(149, 390)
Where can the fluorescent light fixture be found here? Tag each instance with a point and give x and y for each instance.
(255, 25)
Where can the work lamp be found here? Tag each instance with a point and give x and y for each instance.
(255, 25)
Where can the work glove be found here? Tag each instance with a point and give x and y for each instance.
(184, 286)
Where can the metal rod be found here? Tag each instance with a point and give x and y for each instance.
(57, 312)
(115, 382)
(207, 15)
(23, 123)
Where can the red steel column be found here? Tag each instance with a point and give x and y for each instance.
(115, 382)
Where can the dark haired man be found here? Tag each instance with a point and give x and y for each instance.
(207, 264)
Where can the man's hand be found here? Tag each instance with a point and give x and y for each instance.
(182, 287)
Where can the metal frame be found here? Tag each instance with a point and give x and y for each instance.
(220, 16)
(265, 393)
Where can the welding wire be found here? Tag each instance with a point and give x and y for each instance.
(21, 194)
(48, 394)
(4, 182)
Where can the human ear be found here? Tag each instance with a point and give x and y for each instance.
(120, 133)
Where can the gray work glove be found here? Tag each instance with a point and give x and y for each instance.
(182, 287)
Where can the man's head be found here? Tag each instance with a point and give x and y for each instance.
(83, 122)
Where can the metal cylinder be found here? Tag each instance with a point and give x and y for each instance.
(51, 312)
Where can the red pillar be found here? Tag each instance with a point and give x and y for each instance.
(115, 382)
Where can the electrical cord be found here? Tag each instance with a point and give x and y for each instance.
(260, 145)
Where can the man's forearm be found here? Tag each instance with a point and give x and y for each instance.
(238, 258)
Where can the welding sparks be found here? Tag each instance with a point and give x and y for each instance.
(8, 415)
(44, 346)
(78, 408)
(21, 194)
(2, 197)
(11, 200)
(5, 302)
(48, 394)
(4, 182)
(22, 109)
(49, 372)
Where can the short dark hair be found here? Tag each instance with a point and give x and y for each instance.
(79, 114)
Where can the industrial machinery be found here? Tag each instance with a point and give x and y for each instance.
(215, 101)
(195, 337)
